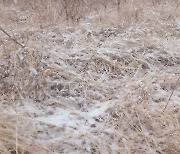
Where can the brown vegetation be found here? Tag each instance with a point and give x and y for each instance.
(139, 77)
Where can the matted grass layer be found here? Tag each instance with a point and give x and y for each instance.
(90, 77)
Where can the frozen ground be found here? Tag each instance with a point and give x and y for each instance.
(91, 89)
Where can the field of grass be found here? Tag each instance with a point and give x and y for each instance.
(90, 76)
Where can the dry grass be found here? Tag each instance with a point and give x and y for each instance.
(45, 12)
(21, 77)
(121, 53)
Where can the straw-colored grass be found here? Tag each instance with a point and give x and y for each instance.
(89, 76)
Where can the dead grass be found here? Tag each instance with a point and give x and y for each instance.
(45, 12)
(134, 66)
(21, 76)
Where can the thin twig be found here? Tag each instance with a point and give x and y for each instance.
(11, 37)
(171, 94)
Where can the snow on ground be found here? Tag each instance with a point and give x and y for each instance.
(103, 89)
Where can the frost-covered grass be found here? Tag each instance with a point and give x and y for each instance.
(107, 83)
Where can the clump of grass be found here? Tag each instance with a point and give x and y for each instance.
(21, 77)
(45, 12)
(15, 136)
(21, 69)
